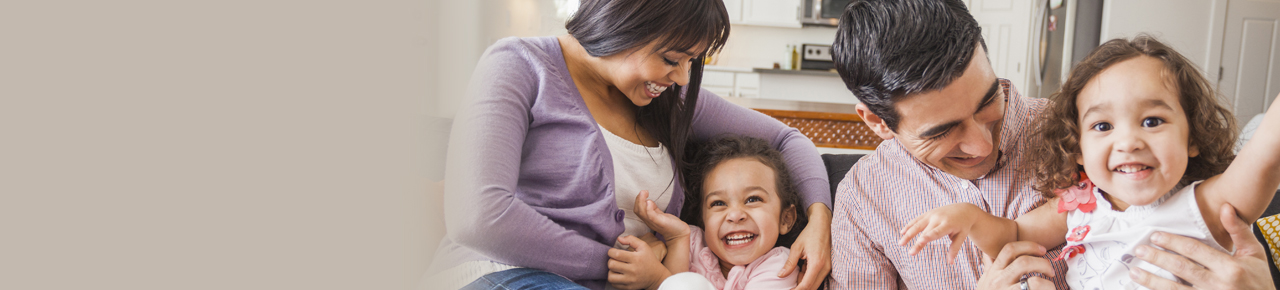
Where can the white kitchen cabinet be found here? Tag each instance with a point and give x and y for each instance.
(731, 82)
(718, 82)
(746, 85)
(778, 13)
(735, 10)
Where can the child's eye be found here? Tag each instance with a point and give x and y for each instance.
(717, 203)
(1102, 126)
(754, 199)
(1152, 122)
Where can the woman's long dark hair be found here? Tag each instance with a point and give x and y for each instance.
(608, 27)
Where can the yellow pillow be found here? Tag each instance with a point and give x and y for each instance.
(1270, 228)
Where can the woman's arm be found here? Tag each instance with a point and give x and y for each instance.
(482, 211)
(1250, 181)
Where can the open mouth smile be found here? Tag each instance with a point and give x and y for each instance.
(654, 89)
(738, 239)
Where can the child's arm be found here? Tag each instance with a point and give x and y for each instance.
(674, 231)
(958, 221)
(1250, 181)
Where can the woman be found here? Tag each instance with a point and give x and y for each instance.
(560, 134)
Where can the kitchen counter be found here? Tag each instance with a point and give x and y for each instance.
(809, 72)
(792, 105)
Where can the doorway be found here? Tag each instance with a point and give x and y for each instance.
(1250, 71)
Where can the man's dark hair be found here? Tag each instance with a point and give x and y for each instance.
(887, 49)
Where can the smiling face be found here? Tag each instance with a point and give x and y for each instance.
(642, 73)
(742, 212)
(1134, 132)
(957, 128)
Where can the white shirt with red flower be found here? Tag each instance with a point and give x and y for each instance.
(1100, 243)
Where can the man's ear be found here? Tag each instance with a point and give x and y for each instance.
(874, 122)
(788, 219)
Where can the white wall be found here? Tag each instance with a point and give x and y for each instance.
(432, 41)
(761, 46)
(1192, 27)
(460, 47)
(234, 144)
(467, 28)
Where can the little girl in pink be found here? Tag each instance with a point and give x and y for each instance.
(743, 195)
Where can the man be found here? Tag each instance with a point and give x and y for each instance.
(954, 133)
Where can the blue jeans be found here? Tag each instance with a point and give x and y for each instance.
(522, 278)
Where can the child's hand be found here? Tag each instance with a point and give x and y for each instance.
(638, 269)
(658, 247)
(955, 221)
(670, 226)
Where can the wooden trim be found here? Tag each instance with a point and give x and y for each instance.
(811, 115)
(834, 130)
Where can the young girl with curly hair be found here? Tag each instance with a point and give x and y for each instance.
(1134, 143)
(743, 207)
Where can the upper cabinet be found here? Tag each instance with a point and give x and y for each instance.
(778, 13)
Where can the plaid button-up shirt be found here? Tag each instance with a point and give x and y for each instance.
(888, 188)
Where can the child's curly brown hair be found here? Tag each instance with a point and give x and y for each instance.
(1213, 126)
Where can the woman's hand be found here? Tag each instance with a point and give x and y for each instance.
(1015, 260)
(814, 246)
(953, 220)
(1207, 268)
(637, 269)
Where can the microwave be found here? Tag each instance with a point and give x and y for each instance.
(822, 12)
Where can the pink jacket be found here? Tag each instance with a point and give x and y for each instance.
(759, 274)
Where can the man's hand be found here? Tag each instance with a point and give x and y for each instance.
(1015, 260)
(814, 246)
(1247, 269)
(635, 269)
(952, 221)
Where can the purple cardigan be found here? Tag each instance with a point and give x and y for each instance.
(529, 179)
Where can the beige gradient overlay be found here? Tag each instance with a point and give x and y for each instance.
(232, 144)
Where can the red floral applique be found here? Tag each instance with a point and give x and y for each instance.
(1077, 197)
(1077, 234)
(1070, 252)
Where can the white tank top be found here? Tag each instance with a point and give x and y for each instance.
(636, 168)
(1111, 237)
